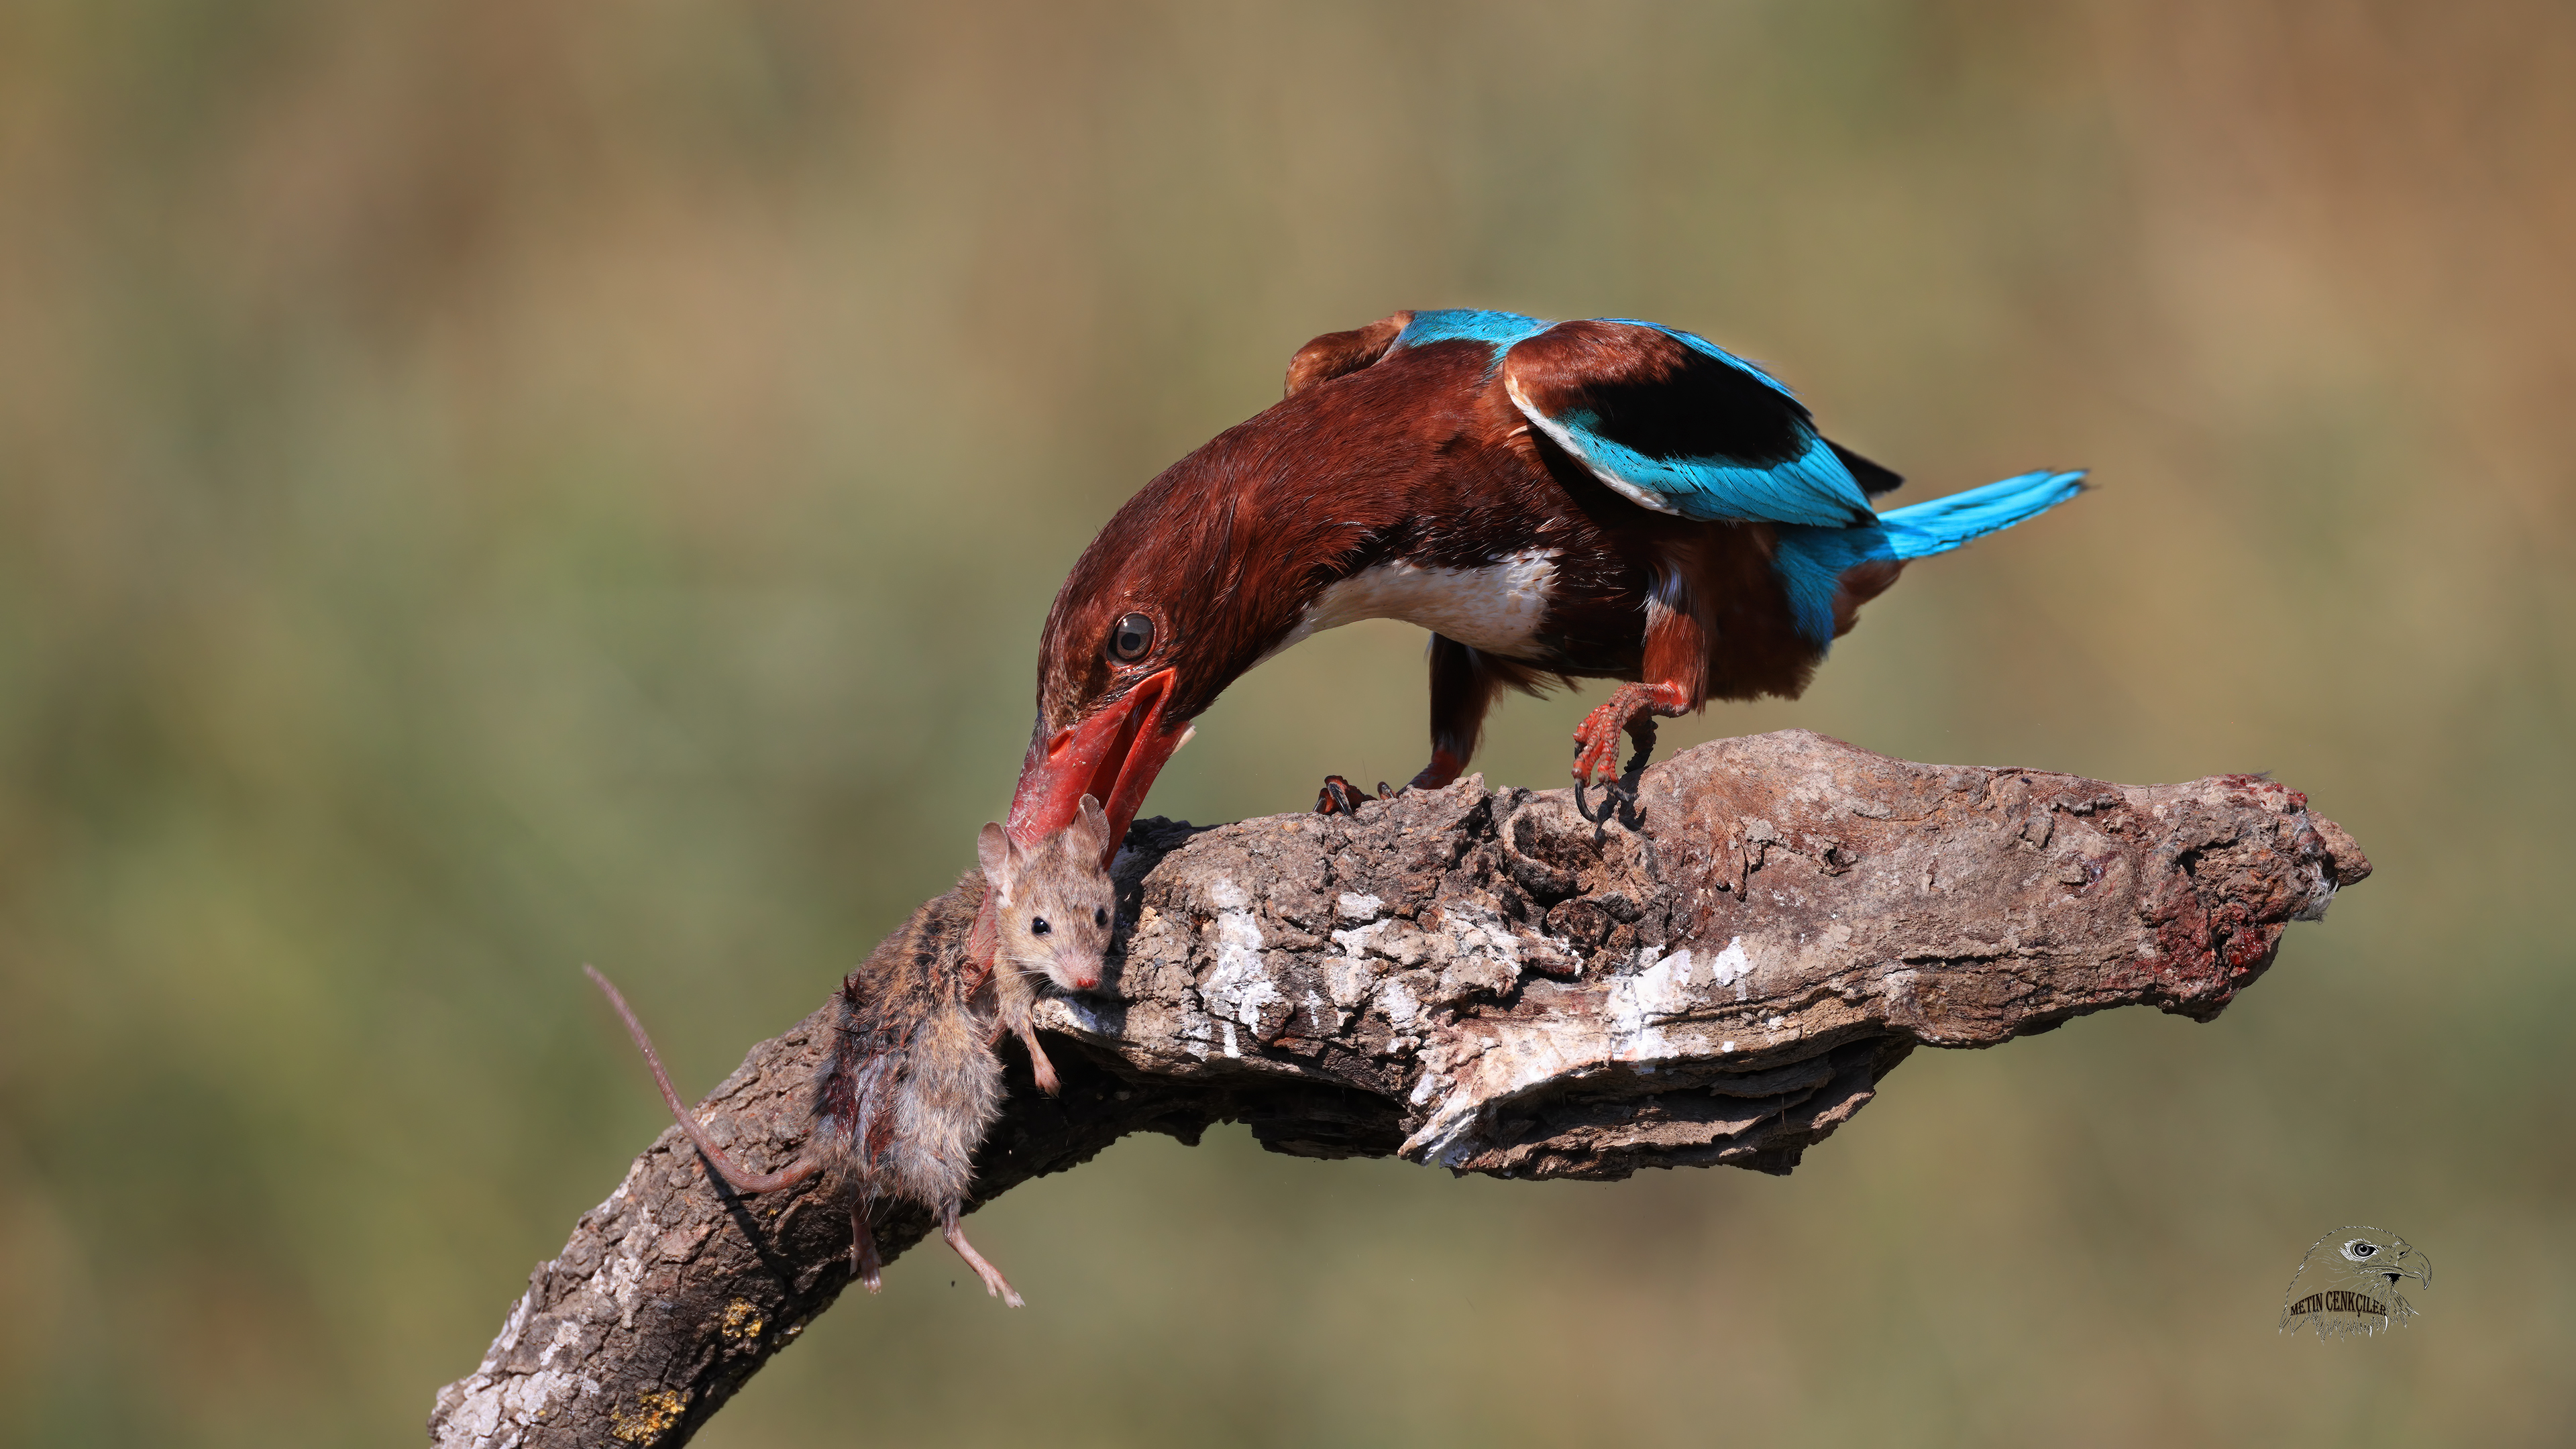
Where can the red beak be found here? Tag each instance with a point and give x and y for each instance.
(1112, 756)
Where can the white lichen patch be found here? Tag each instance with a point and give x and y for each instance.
(1471, 974)
(621, 1277)
(1240, 986)
(1324, 1020)
(1513, 1058)
(1072, 1012)
(1474, 950)
(1404, 943)
(497, 1408)
(1349, 979)
(1475, 933)
(1731, 967)
(1898, 986)
(1398, 1002)
(1356, 940)
(1355, 908)
(1640, 1002)
(499, 1413)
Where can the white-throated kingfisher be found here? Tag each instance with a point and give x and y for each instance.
(1603, 499)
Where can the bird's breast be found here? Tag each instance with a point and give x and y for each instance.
(1495, 607)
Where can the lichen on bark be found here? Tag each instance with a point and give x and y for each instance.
(1483, 981)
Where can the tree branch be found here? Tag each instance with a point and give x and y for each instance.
(1485, 982)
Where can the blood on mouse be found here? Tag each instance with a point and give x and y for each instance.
(911, 1083)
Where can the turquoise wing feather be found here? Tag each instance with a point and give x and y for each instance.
(1678, 424)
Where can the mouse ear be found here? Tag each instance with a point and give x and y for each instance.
(1093, 822)
(993, 850)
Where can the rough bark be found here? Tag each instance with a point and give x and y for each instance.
(1480, 981)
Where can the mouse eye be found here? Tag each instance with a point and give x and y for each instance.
(1130, 638)
(1100, 916)
(1038, 926)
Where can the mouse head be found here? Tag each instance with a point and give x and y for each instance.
(1053, 900)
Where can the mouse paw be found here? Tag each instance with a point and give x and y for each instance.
(995, 1285)
(863, 1248)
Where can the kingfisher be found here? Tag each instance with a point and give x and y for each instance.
(1605, 499)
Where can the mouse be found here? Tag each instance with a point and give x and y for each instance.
(1054, 907)
(911, 1083)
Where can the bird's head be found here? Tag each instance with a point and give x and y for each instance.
(1211, 568)
(1201, 575)
(1113, 687)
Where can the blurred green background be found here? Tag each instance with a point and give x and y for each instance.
(486, 486)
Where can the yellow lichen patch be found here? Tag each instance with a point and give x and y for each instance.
(742, 1322)
(654, 1415)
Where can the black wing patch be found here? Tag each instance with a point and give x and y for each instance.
(1872, 478)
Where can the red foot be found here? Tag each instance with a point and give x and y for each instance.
(1341, 797)
(1631, 708)
(1443, 769)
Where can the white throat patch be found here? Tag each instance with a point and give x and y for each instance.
(1495, 608)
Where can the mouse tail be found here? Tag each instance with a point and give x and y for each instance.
(725, 1167)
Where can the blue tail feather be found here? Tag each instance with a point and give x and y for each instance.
(1811, 561)
(1922, 529)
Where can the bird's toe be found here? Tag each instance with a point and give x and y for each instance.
(1596, 751)
(1340, 797)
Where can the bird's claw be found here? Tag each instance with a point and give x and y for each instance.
(1340, 797)
(1618, 800)
(1597, 750)
(1630, 710)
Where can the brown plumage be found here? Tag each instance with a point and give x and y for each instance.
(1590, 499)
(1428, 462)
(1421, 460)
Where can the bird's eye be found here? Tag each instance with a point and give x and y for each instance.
(1130, 638)
(1100, 916)
(1038, 926)
(2360, 1248)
